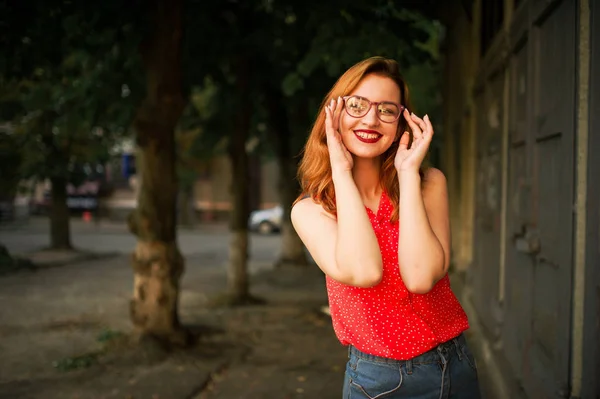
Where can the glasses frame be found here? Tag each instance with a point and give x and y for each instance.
(401, 108)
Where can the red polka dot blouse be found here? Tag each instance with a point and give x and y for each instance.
(387, 320)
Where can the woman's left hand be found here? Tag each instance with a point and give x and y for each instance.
(408, 159)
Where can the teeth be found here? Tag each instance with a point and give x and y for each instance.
(367, 135)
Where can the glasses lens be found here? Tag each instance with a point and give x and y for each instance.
(356, 106)
(388, 112)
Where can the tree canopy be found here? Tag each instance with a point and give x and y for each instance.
(68, 73)
(188, 79)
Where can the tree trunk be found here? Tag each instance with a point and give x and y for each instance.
(60, 231)
(237, 272)
(156, 260)
(292, 248)
(186, 209)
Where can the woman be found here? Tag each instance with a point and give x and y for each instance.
(376, 222)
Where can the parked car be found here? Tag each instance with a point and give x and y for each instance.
(266, 221)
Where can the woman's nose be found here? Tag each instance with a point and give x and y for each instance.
(371, 117)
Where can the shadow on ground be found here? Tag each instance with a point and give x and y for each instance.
(285, 348)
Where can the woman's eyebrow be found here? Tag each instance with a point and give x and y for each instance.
(382, 101)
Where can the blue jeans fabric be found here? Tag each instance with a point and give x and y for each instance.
(447, 371)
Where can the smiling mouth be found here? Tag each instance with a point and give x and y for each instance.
(367, 136)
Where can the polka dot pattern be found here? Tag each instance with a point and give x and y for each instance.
(387, 320)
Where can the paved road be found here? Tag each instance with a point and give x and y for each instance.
(58, 312)
(208, 241)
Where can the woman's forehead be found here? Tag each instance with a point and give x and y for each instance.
(377, 88)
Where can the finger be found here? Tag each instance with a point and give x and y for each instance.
(419, 122)
(404, 140)
(409, 119)
(332, 134)
(429, 125)
(339, 106)
(427, 129)
(413, 126)
(331, 104)
(332, 110)
(328, 126)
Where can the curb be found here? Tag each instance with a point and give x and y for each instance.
(491, 381)
(78, 258)
(25, 263)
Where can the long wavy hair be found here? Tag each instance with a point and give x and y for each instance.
(314, 172)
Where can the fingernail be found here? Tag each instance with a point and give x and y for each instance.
(426, 116)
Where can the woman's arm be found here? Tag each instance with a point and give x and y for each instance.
(424, 232)
(345, 249)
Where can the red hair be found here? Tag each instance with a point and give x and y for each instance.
(314, 172)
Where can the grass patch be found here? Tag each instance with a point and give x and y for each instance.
(107, 337)
(76, 362)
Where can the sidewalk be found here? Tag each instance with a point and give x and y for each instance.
(293, 352)
(51, 322)
(54, 258)
(284, 349)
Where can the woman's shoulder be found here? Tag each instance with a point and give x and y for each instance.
(306, 206)
(433, 177)
(434, 185)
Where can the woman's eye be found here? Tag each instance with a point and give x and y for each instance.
(388, 110)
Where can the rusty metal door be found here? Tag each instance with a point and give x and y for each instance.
(486, 246)
(591, 355)
(519, 267)
(539, 249)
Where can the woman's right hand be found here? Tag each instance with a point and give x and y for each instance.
(339, 156)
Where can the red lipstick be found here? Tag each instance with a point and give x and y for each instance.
(374, 136)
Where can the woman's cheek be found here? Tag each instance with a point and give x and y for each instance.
(343, 124)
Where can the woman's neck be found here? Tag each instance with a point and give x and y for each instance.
(366, 176)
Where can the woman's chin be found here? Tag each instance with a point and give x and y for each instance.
(367, 153)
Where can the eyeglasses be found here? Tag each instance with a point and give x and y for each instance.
(387, 111)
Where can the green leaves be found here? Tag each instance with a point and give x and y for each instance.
(70, 74)
(66, 66)
(292, 83)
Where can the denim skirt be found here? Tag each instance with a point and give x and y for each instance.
(446, 371)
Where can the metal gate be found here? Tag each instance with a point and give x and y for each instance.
(488, 205)
(540, 197)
